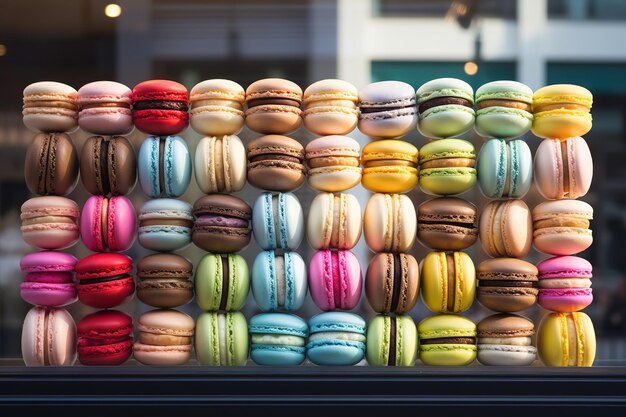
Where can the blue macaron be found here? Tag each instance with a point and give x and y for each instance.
(278, 339)
(504, 169)
(164, 166)
(279, 281)
(337, 338)
(278, 221)
(165, 224)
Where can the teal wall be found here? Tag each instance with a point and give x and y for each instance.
(417, 73)
(609, 79)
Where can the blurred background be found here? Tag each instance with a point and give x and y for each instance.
(537, 42)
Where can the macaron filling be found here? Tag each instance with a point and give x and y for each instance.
(273, 101)
(459, 340)
(444, 101)
(160, 105)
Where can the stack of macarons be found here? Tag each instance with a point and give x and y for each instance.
(563, 173)
(50, 222)
(388, 113)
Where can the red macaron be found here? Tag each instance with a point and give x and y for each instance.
(105, 280)
(160, 107)
(105, 338)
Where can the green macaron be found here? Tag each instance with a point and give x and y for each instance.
(504, 109)
(446, 108)
(222, 282)
(447, 167)
(447, 339)
(222, 339)
(391, 341)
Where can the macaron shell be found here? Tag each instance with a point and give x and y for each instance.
(48, 294)
(334, 221)
(565, 300)
(223, 157)
(106, 120)
(506, 355)
(500, 162)
(60, 339)
(389, 223)
(162, 355)
(210, 341)
(331, 120)
(503, 122)
(550, 165)
(445, 121)
(561, 124)
(566, 339)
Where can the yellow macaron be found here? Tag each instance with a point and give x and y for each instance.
(566, 339)
(448, 282)
(561, 111)
(447, 339)
(389, 166)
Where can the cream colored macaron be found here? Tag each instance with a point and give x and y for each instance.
(390, 223)
(334, 221)
(217, 107)
(220, 164)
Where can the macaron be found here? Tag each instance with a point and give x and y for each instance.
(51, 164)
(164, 166)
(278, 339)
(273, 106)
(561, 111)
(566, 339)
(330, 107)
(276, 163)
(220, 164)
(506, 340)
(565, 284)
(50, 107)
(105, 338)
(164, 280)
(503, 109)
(48, 337)
(336, 338)
(447, 223)
(165, 338)
(563, 168)
(447, 339)
(108, 223)
(217, 107)
(448, 282)
(222, 223)
(105, 280)
(387, 109)
(504, 168)
(391, 341)
(562, 227)
(506, 229)
(50, 222)
(278, 221)
(222, 339)
(445, 108)
(222, 282)
(508, 285)
(389, 166)
(389, 223)
(335, 280)
(105, 108)
(49, 279)
(392, 283)
(160, 107)
(165, 224)
(447, 167)
(279, 281)
(334, 221)
(334, 164)
(108, 165)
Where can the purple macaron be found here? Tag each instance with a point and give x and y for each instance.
(105, 108)
(565, 284)
(49, 279)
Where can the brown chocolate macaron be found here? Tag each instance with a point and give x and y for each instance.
(507, 284)
(447, 223)
(392, 283)
(51, 166)
(164, 280)
(222, 223)
(276, 163)
(108, 165)
(273, 106)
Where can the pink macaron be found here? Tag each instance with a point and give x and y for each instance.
(105, 108)
(108, 223)
(565, 284)
(49, 279)
(335, 280)
(50, 222)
